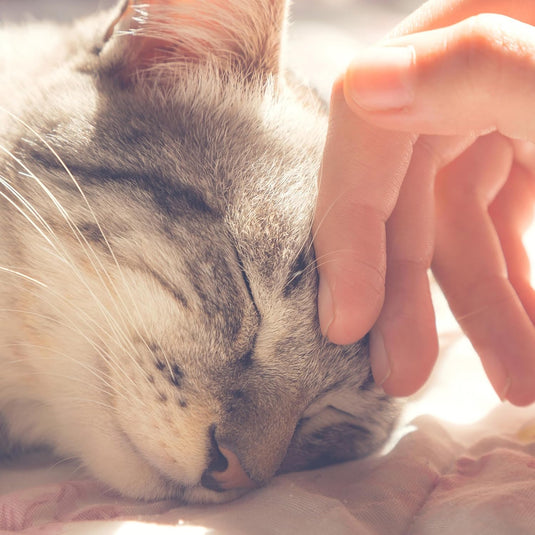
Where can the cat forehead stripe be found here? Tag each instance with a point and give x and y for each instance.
(168, 193)
(169, 288)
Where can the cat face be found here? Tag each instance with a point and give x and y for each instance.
(171, 300)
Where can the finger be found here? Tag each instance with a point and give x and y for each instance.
(403, 342)
(438, 14)
(525, 156)
(361, 174)
(469, 265)
(475, 76)
(512, 213)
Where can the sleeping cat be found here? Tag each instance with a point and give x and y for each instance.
(157, 276)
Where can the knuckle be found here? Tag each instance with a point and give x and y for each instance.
(483, 37)
(480, 51)
(491, 49)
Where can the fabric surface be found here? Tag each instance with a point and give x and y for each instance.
(461, 463)
(437, 479)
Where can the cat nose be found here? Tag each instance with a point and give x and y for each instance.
(224, 471)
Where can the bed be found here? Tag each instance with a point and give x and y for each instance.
(460, 462)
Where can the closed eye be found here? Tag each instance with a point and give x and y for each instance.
(298, 269)
(340, 411)
(246, 281)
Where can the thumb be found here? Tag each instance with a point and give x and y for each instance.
(475, 76)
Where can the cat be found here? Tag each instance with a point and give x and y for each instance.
(158, 282)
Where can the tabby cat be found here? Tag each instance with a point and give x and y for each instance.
(157, 277)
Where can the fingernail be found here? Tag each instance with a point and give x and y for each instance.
(325, 306)
(381, 78)
(379, 358)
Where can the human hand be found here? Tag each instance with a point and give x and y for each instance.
(410, 123)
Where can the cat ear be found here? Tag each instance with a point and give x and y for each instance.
(158, 36)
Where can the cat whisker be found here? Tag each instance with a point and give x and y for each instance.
(112, 358)
(85, 401)
(79, 236)
(76, 469)
(86, 247)
(73, 326)
(58, 395)
(22, 275)
(333, 254)
(6, 184)
(100, 229)
(65, 460)
(62, 254)
(91, 370)
(316, 228)
(73, 472)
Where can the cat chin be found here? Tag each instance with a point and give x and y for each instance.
(133, 477)
(127, 472)
(122, 469)
(149, 486)
(201, 495)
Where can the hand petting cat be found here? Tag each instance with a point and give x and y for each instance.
(442, 112)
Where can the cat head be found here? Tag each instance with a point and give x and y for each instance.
(187, 263)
